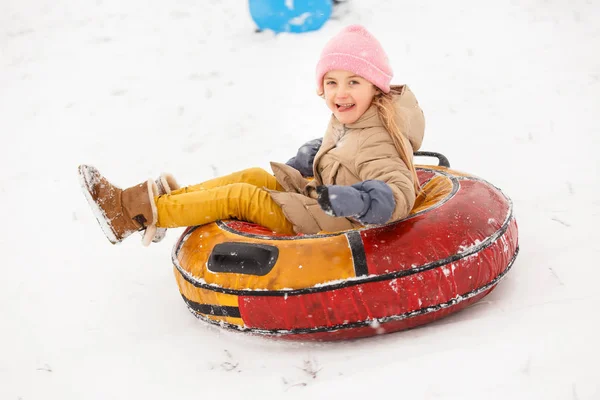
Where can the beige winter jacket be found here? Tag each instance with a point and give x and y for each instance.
(350, 154)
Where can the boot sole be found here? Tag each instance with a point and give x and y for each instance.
(86, 182)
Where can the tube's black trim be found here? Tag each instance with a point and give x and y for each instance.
(212, 309)
(358, 253)
(360, 324)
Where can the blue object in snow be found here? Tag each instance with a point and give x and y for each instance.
(294, 16)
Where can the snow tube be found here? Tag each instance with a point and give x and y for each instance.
(458, 242)
(294, 16)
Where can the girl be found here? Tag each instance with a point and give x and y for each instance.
(363, 168)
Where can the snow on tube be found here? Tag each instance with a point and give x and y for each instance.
(458, 242)
(294, 16)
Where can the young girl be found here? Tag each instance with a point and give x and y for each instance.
(363, 168)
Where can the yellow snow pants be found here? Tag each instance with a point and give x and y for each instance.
(240, 195)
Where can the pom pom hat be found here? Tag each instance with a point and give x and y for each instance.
(354, 49)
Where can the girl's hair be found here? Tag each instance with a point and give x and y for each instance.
(387, 113)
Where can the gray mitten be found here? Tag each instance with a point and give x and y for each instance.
(305, 157)
(370, 202)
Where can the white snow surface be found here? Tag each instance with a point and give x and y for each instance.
(511, 93)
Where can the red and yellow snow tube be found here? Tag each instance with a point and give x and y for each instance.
(458, 242)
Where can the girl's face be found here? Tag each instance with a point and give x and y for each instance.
(347, 95)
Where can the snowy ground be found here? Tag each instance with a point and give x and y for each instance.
(511, 92)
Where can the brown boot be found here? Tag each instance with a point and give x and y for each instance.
(120, 212)
(166, 183)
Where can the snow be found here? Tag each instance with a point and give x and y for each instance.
(300, 19)
(511, 93)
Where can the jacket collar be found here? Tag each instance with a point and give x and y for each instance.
(368, 120)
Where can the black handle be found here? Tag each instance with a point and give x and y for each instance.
(442, 160)
(243, 258)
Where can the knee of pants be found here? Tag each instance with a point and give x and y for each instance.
(257, 172)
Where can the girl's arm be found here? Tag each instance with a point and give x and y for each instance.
(379, 160)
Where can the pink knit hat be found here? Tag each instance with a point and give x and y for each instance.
(354, 49)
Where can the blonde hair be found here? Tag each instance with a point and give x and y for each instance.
(387, 113)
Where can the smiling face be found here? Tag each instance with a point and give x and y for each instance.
(347, 95)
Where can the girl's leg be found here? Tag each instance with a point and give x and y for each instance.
(241, 201)
(254, 176)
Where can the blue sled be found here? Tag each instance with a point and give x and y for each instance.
(294, 16)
